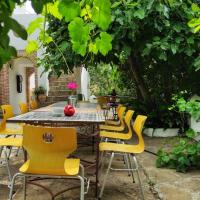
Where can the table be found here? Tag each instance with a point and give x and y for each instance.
(86, 114)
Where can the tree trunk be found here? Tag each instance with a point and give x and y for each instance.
(139, 80)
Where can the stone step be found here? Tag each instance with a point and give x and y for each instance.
(59, 92)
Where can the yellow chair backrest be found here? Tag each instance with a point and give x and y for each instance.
(118, 107)
(23, 107)
(137, 127)
(127, 119)
(103, 101)
(121, 113)
(48, 148)
(33, 105)
(7, 113)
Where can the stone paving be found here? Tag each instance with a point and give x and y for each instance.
(158, 184)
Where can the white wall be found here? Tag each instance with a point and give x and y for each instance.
(15, 97)
(20, 44)
(85, 82)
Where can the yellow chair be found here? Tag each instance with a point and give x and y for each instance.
(8, 113)
(115, 122)
(119, 135)
(119, 128)
(23, 107)
(103, 102)
(9, 142)
(129, 149)
(34, 105)
(48, 150)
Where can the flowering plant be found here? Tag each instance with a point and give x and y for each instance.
(72, 85)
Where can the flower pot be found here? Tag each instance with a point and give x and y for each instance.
(161, 132)
(42, 98)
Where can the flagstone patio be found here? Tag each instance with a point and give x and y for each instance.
(163, 184)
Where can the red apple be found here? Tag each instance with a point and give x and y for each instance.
(69, 110)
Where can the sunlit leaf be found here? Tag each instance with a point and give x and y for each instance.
(195, 7)
(52, 8)
(93, 48)
(69, 9)
(35, 24)
(101, 13)
(44, 37)
(79, 41)
(103, 43)
(32, 46)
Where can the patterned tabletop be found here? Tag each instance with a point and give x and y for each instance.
(85, 112)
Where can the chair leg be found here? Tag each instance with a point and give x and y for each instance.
(82, 188)
(17, 153)
(12, 185)
(8, 167)
(131, 166)
(24, 187)
(138, 176)
(127, 163)
(104, 181)
(82, 170)
(102, 161)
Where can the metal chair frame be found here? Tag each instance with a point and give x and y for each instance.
(133, 166)
(81, 177)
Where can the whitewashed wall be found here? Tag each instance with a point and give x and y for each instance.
(16, 97)
(85, 82)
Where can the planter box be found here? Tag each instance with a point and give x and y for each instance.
(161, 132)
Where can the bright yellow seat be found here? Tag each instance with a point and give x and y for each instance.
(48, 149)
(119, 128)
(129, 149)
(15, 142)
(23, 107)
(8, 113)
(33, 104)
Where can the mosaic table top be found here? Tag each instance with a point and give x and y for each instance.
(85, 112)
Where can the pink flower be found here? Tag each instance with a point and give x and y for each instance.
(72, 85)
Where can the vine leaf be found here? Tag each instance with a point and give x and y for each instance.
(101, 13)
(69, 9)
(79, 41)
(37, 5)
(103, 43)
(32, 46)
(17, 28)
(140, 13)
(35, 24)
(93, 48)
(52, 8)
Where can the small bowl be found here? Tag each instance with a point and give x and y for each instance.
(56, 111)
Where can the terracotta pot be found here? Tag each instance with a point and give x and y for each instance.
(42, 98)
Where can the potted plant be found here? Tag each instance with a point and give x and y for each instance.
(40, 94)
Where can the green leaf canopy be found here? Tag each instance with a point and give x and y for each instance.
(79, 34)
(69, 9)
(101, 13)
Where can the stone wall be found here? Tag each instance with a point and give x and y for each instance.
(4, 85)
(57, 87)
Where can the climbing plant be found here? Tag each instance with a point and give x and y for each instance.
(185, 154)
(82, 17)
(7, 23)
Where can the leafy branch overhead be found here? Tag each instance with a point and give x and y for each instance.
(92, 14)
